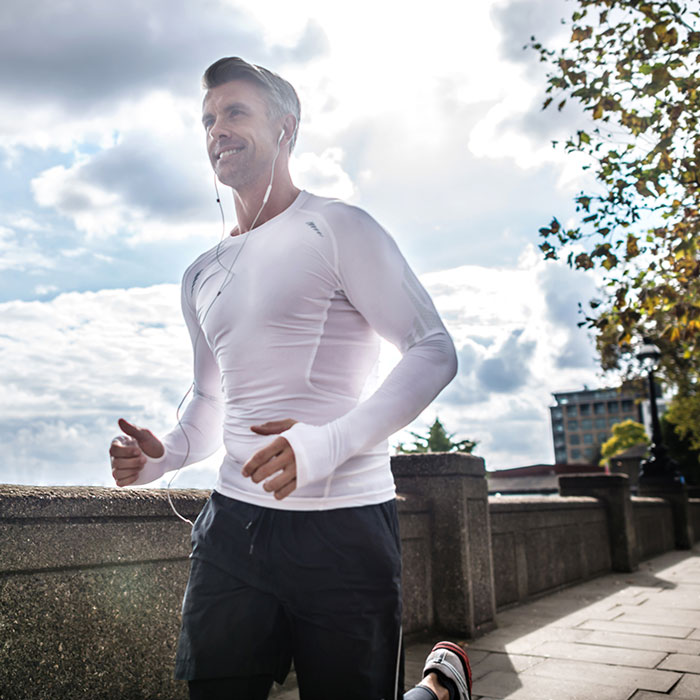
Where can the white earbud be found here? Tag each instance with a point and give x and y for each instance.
(279, 140)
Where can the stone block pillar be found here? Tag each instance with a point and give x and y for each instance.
(677, 495)
(614, 491)
(462, 566)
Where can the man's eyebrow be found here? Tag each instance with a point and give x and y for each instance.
(229, 107)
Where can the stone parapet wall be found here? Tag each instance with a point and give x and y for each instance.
(92, 579)
(91, 585)
(460, 549)
(415, 523)
(694, 508)
(541, 543)
(653, 521)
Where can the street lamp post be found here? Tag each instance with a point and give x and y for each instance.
(659, 467)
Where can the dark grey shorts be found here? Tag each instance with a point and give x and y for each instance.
(320, 587)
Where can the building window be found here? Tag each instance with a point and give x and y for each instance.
(588, 453)
(557, 413)
(587, 439)
(574, 439)
(599, 408)
(627, 406)
(575, 454)
(602, 437)
(572, 425)
(571, 410)
(586, 423)
(585, 409)
(600, 423)
(558, 427)
(560, 456)
(613, 407)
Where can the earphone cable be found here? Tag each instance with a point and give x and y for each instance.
(227, 279)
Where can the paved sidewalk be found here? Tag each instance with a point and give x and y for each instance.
(618, 637)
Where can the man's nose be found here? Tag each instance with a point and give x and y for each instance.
(218, 130)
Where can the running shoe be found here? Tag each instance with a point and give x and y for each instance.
(450, 662)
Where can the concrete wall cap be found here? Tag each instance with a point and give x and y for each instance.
(603, 478)
(538, 503)
(95, 501)
(648, 501)
(437, 464)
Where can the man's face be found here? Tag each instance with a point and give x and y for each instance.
(241, 138)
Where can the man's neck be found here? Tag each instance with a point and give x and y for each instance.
(249, 202)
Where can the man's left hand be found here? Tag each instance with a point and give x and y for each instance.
(278, 456)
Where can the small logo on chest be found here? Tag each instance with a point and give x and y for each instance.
(314, 228)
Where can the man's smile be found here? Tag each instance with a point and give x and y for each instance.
(229, 152)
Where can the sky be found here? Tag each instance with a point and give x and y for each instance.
(429, 120)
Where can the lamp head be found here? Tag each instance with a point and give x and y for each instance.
(649, 352)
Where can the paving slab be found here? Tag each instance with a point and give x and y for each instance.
(499, 684)
(640, 641)
(600, 654)
(502, 662)
(681, 662)
(555, 616)
(679, 598)
(688, 688)
(652, 613)
(643, 628)
(619, 676)
(524, 643)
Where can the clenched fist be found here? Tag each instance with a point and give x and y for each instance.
(128, 452)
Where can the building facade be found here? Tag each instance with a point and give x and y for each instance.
(582, 421)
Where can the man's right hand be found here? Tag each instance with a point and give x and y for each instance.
(128, 452)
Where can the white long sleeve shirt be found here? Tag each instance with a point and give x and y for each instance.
(292, 331)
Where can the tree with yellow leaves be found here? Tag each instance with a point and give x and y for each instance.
(634, 67)
(625, 434)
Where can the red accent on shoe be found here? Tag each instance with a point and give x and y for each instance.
(456, 649)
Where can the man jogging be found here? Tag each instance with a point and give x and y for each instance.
(296, 555)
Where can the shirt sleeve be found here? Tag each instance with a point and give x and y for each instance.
(199, 432)
(379, 283)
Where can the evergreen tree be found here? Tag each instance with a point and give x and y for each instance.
(437, 440)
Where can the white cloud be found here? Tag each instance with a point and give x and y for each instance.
(425, 138)
(511, 328)
(44, 290)
(323, 174)
(21, 252)
(430, 120)
(71, 366)
(148, 185)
